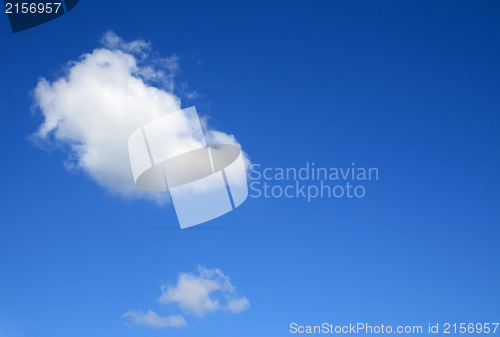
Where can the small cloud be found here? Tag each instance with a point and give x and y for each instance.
(238, 305)
(207, 291)
(151, 319)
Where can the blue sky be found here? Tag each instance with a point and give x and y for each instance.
(410, 88)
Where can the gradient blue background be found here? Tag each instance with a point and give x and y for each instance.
(410, 87)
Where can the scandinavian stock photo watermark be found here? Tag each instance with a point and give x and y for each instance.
(310, 181)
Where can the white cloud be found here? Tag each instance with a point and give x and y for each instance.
(238, 305)
(103, 97)
(207, 291)
(151, 319)
(112, 41)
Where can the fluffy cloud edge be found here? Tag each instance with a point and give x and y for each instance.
(151, 319)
